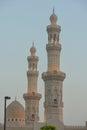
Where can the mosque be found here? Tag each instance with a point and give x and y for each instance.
(20, 118)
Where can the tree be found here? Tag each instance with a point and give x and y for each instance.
(48, 127)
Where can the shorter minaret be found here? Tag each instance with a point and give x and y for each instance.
(32, 97)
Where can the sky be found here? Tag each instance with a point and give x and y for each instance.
(25, 21)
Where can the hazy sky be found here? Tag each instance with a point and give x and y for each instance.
(25, 21)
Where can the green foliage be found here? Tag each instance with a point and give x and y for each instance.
(48, 128)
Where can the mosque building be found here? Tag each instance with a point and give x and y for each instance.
(20, 118)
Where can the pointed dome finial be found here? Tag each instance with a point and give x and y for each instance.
(33, 50)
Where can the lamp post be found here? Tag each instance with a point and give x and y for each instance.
(5, 99)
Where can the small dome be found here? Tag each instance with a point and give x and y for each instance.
(15, 110)
(15, 114)
(53, 18)
(33, 49)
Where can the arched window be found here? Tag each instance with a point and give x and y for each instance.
(12, 119)
(33, 116)
(55, 101)
(54, 37)
(33, 93)
(15, 119)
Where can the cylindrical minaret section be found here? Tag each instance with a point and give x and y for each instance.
(32, 73)
(53, 55)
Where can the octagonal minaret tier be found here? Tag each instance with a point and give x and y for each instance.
(53, 78)
(32, 97)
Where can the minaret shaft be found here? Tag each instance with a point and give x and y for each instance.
(53, 54)
(32, 82)
(32, 77)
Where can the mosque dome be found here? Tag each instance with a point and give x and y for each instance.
(53, 18)
(15, 114)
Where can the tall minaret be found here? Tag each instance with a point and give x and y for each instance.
(32, 97)
(53, 78)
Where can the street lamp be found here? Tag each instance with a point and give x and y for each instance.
(5, 98)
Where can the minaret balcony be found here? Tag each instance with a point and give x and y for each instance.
(53, 76)
(53, 46)
(32, 73)
(32, 58)
(33, 96)
(51, 28)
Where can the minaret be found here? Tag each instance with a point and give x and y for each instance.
(32, 97)
(53, 78)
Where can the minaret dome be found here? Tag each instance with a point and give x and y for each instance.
(53, 18)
